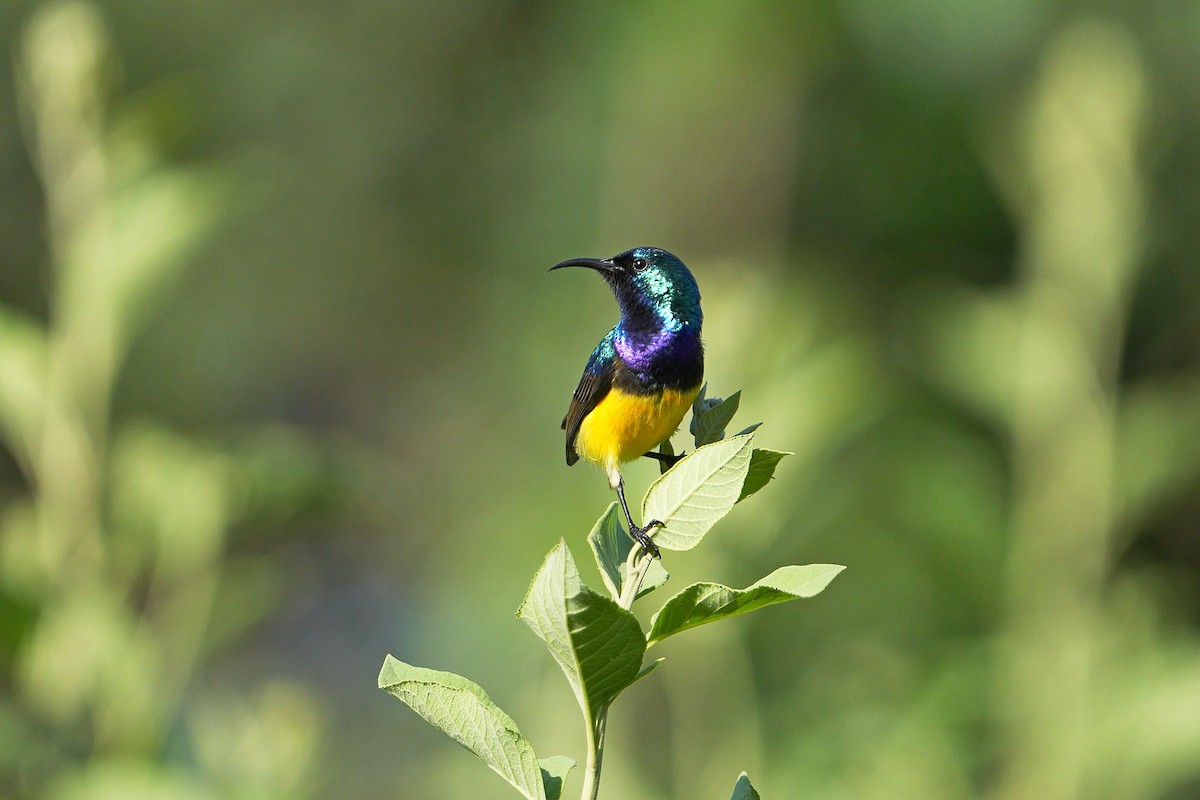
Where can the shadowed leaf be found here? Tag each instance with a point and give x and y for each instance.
(709, 425)
(554, 773)
(598, 644)
(762, 469)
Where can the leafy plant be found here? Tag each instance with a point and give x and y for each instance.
(595, 638)
(116, 581)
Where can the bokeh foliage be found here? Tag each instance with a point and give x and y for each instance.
(280, 382)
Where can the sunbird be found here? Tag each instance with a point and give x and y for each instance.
(643, 375)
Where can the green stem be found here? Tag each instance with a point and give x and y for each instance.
(591, 778)
(629, 592)
(595, 732)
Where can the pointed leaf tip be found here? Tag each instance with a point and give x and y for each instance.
(465, 713)
(702, 603)
(714, 416)
(554, 773)
(742, 790)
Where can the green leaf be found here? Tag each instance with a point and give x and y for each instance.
(751, 428)
(468, 716)
(709, 425)
(742, 790)
(697, 492)
(667, 449)
(554, 773)
(762, 469)
(656, 576)
(646, 670)
(698, 403)
(610, 544)
(598, 644)
(708, 602)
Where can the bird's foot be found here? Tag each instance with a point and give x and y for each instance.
(642, 536)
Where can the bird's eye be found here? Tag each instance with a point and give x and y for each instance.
(639, 264)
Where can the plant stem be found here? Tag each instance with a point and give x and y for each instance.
(595, 732)
(629, 592)
(591, 778)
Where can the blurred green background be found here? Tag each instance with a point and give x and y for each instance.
(281, 375)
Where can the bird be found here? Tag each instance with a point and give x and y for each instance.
(644, 374)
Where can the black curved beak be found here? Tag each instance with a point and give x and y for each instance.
(598, 264)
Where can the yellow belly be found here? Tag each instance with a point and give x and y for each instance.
(623, 426)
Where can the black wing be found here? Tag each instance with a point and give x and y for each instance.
(597, 380)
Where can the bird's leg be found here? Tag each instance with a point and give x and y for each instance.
(639, 534)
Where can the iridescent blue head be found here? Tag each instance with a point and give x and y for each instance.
(657, 342)
(653, 288)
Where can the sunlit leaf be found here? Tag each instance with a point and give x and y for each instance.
(697, 492)
(462, 710)
(701, 603)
